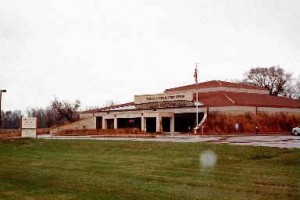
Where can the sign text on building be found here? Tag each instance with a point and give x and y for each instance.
(173, 104)
(141, 99)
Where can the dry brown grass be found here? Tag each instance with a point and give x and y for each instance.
(16, 133)
(103, 132)
(10, 133)
(218, 123)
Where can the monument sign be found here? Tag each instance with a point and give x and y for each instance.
(29, 126)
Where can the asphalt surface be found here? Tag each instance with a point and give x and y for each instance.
(279, 141)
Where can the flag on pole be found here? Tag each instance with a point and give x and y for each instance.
(196, 74)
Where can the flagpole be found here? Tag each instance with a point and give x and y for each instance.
(197, 109)
(197, 96)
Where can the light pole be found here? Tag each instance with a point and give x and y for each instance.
(0, 106)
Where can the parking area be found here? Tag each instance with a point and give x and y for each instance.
(279, 141)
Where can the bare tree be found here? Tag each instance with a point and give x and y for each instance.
(108, 103)
(45, 117)
(65, 111)
(297, 88)
(293, 90)
(11, 119)
(274, 78)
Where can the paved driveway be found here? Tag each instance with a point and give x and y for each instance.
(268, 141)
(286, 141)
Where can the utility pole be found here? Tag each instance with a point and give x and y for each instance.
(1, 91)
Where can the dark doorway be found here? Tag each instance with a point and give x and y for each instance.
(98, 122)
(186, 122)
(110, 123)
(150, 124)
(129, 123)
(166, 122)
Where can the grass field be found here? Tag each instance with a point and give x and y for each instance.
(52, 169)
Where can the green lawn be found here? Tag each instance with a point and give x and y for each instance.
(52, 169)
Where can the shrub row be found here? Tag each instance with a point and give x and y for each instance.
(83, 132)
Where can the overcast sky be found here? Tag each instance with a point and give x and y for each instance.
(99, 50)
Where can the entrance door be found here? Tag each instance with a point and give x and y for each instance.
(98, 122)
(110, 123)
(150, 124)
(166, 122)
(186, 122)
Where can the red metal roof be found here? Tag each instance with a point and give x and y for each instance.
(109, 107)
(216, 99)
(214, 84)
(225, 98)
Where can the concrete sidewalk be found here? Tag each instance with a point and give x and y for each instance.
(279, 141)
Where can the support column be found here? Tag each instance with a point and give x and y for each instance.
(143, 124)
(172, 124)
(115, 123)
(158, 123)
(104, 126)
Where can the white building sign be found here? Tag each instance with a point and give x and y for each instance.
(29, 126)
(141, 99)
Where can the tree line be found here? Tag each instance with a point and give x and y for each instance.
(274, 78)
(57, 113)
